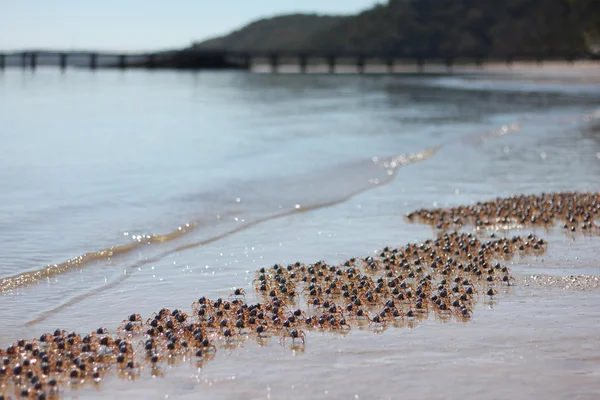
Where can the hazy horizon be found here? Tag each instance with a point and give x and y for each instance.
(140, 26)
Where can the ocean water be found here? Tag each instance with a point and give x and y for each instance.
(130, 191)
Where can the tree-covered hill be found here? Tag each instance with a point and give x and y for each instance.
(286, 32)
(433, 28)
(447, 28)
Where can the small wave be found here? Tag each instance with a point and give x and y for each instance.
(383, 175)
(477, 140)
(388, 164)
(34, 277)
(591, 118)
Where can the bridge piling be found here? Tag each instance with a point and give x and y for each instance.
(33, 60)
(390, 65)
(2, 61)
(331, 64)
(570, 58)
(63, 61)
(151, 61)
(23, 60)
(93, 60)
(449, 64)
(274, 60)
(303, 60)
(360, 64)
(247, 61)
(122, 61)
(420, 65)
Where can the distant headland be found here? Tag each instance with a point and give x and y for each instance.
(417, 31)
(431, 28)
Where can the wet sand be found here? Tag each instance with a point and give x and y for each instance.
(542, 325)
(533, 342)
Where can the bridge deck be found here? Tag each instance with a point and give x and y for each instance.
(192, 59)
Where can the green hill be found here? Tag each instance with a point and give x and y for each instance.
(432, 28)
(448, 28)
(288, 32)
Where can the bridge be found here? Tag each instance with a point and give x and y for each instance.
(243, 60)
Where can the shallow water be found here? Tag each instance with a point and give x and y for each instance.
(259, 169)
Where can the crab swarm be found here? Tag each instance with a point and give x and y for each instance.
(399, 286)
(575, 212)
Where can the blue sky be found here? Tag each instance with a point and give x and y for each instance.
(140, 24)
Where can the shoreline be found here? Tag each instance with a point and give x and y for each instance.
(347, 66)
(317, 297)
(526, 341)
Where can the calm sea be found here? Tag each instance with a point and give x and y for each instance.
(131, 191)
